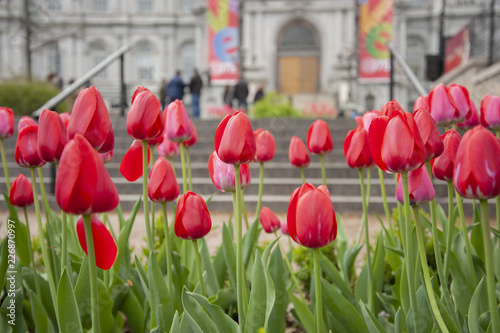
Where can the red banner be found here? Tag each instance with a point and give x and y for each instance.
(457, 49)
(375, 30)
(223, 41)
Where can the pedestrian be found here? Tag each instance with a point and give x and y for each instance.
(175, 88)
(162, 94)
(195, 86)
(227, 97)
(240, 93)
(259, 94)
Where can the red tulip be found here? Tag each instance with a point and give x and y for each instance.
(156, 141)
(395, 142)
(421, 103)
(89, 118)
(442, 167)
(6, 122)
(162, 185)
(26, 153)
(462, 100)
(310, 218)
(234, 139)
(222, 174)
(477, 166)
(21, 192)
(144, 119)
(65, 118)
(168, 148)
(365, 120)
(52, 136)
(284, 228)
(265, 146)
(131, 164)
(429, 133)
(297, 153)
(104, 244)
(490, 112)
(319, 139)
(420, 187)
(137, 91)
(192, 219)
(178, 126)
(390, 107)
(269, 220)
(357, 150)
(25, 121)
(472, 120)
(106, 157)
(194, 137)
(109, 143)
(83, 185)
(442, 106)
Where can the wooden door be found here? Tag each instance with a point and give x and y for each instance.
(298, 74)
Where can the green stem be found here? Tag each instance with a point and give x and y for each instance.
(4, 163)
(319, 296)
(240, 277)
(367, 241)
(490, 269)
(43, 246)
(292, 274)
(45, 202)
(64, 245)
(302, 174)
(449, 231)
(107, 222)
(468, 248)
(498, 211)
(198, 264)
(96, 328)
(190, 174)
(402, 227)
(425, 269)
(171, 160)
(409, 252)
(323, 171)
(168, 245)
(384, 198)
(183, 162)
(261, 189)
(32, 256)
(145, 195)
(244, 209)
(153, 220)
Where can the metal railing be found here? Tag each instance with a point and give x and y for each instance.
(51, 103)
(406, 69)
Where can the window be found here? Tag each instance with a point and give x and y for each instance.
(99, 5)
(98, 54)
(145, 5)
(187, 60)
(415, 55)
(188, 6)
(298, 35)
(53, 59)
(369, 102)
(54, 5)
(145, 61)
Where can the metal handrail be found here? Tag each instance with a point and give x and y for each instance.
(51, 103)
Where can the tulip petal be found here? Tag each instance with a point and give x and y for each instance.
(131, 163)
(104, 245)
(376, 137)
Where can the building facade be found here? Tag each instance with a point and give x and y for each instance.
(296, 47)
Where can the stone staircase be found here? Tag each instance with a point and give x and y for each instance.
(280, 177)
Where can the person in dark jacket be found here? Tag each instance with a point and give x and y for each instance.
(175, 88)
(195, 86)
(240, 93)
(259, 94)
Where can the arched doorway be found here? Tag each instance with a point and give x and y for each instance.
(298, 58)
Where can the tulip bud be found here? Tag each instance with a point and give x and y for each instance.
(365, 120)
(104, 245)
(462, 100)
(168, 148)
(490, 112)
(297, 153)
(390, 107)
(284, 228)
(477, 166)
(21, 192)
(106, 157)
(421, 103)
(319, 139)
(131, 163)
(25, 121)
(420, 187)
(65, 118)
(234, 139)
(472, 120)
(269, 220)
(442, 106)
(6, 122)
(429, 133)
(442, 166)
(194, 137)
(178, 126)
(162, 185)
(265, 146)
(109, 143)
(222, 174)
(144, 119)
(26, 153)
(52, 136)
(192, 219)
(357, 150)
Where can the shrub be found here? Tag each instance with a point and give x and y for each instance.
(25, 97)
(274, 105)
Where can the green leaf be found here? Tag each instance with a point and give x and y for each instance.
(225, 298)
(223, 322)
(22, 249)
(132, 309)
(12, 209)
(211, 280)
(267, 251)
(176, 323)
(249, 241)
(349, 258)
(44, 297)
(219, 264)
(305, 316)
(378, 265)
(261, 297)
(229, 255)
(373, 325)
(495, 232)
(4, 323)
(39, 314)
(399, 252)
(210, 197)
(329, 269)
(67, 308)
(400, 322)
(277, 269)
(106, 318)
(123, 256)
(200, 320)
(448, 320)
(345, 315)
(161, 305)
(474, 307)
(82, 294)
(143, 276)
(3, 261)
